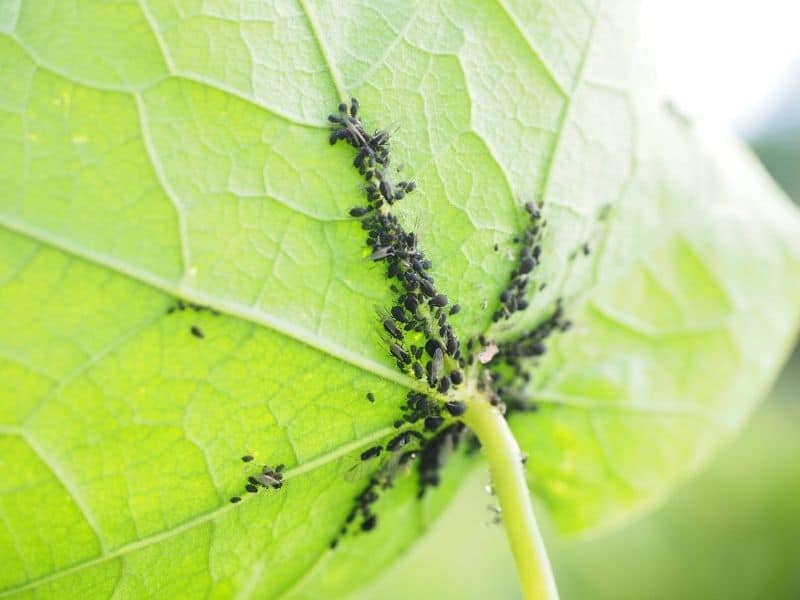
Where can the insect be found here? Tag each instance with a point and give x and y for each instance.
(197, 332)
(371, 452)
(370, 396)
(392, 329)
(455, 408)
(433, 422)
(439, 301)
(247, 458)
(358, 211)
(235, 499)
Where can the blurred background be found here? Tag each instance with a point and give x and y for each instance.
(732, 532)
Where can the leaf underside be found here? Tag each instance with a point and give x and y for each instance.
(154, 150)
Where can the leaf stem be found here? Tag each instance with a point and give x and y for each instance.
(508, 481)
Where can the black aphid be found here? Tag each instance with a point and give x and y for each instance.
(455, 408)
(359, 211)
(433, 423)
(197, 332)
(235, 499)
(439, 301)
(247, 458)
(371, 452)
(392, 329)
(369, 523)
(251, 488)
(370, 396)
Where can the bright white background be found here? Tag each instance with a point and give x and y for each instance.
(724, 60)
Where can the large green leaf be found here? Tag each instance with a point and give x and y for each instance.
(159, 149)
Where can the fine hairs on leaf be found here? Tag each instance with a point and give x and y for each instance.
(190, 276)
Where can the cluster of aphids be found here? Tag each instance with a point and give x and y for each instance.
(421, 341)
(419, 338)
(512, 299)
(510, 375)
(372, 160)
(267, 478)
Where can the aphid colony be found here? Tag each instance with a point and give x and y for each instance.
(266, 478)
(418, 335)
(509, 374)
(513, 298)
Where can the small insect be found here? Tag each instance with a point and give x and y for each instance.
(455, 309)
(427, 288)
(353, 107)
(456, 377)
(197, 332)
(369, 523)
(433, 422)
(455, 408)
(399, 353)
(358, 211)
(526, 265)
(251, 488)
(436, 365)
(444, 385)
(411, 303)
(235, 499)
(399, 314)
(439, 301)
(419, 373)
(371, 452)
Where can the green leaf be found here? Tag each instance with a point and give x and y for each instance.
(155, 149)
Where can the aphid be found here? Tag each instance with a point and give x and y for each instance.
(353, 107)
(456, 377)
(251, 488)
(370, 396)
(411, 303)
(427, 288)
(197, 332)
(267, 480)
(334, 543)
(369, 523)
(455, 309)
(439, 301)
(358, 211)
(436, 366)
(398, 424)
(392, 329)
(532, 209)
(418, 371)
(433, 422)
(526, 265)
(397, 442)
(410, 187)
(444, 385)
(382, 252)
(371, 452)
(235, 499)
(247, 458)
(455, 408)
(343, 108)
(399, 314)
(399, 353)
(432, 345)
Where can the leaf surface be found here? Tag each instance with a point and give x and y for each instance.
(154, 150)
